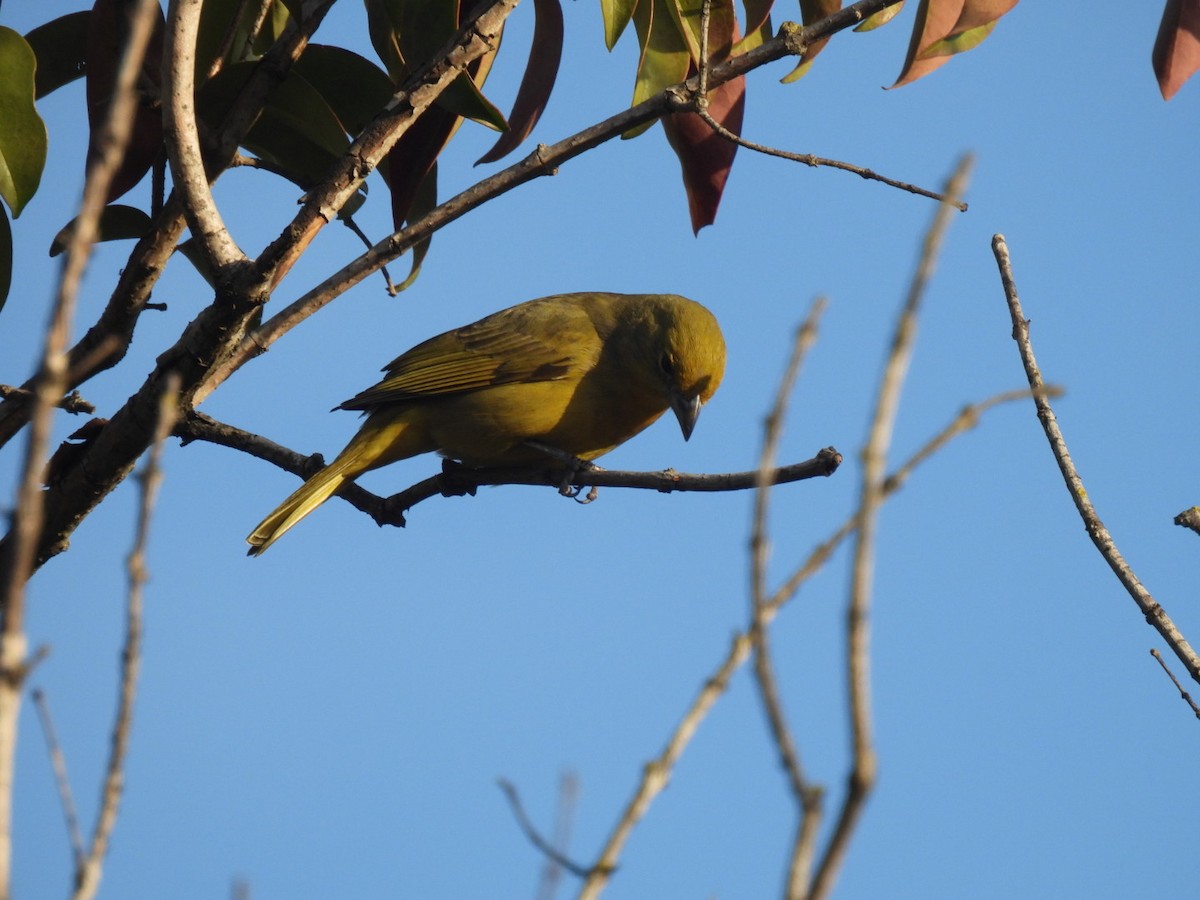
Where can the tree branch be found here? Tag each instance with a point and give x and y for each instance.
(182, 139)
(700, 107)
(550, 851)
(88, 871)
(1149, 607)
(544, 160)
(864, 765)
(809, 797)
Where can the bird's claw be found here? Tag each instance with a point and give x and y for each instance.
(573, 466)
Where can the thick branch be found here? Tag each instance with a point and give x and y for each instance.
(106, 341)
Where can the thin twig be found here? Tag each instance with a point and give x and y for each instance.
(1186, 697)
(551, 852)
(967, 418)
(655, 773)
(72, 402)
(808, 797)
(58, 762)
(874, 458)
(1149, 607)
(17, 558)
(231, 31)
(87, 874)
(568, 797)
(808, 159)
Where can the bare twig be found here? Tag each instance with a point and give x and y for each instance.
(809, 798)
(17, 556)
(87, 873)
(700, 104)
(58, 762)
(656, 772)
(551, 852)
(864, 765)
(966, 419)
(1149, 607)
(568, 796)
(1184, 695)
(72, 402)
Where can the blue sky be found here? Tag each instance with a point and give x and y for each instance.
(331, 719)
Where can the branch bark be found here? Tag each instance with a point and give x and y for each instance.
(1147, 605)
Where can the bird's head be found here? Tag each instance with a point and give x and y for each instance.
(689, 356)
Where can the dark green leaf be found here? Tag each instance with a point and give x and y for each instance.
(22, 133)
(117, 223)
(407, 34)
(6, 256)
(413, 157)
(297, 132)
(355, 88)
(61, 49)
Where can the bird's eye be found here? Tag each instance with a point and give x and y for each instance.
(666, 364)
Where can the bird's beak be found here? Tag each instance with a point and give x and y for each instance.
(687, 411)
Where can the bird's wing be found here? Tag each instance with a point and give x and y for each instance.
(515, 345)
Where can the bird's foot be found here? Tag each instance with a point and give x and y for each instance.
(573, 466)
(450, 487)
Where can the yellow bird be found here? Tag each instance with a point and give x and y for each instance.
(572, 374)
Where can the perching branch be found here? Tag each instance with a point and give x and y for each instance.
(455, 480)
(1149, 607)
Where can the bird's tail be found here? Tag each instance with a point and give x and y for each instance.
(303, 500)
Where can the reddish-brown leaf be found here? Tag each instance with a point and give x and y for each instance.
(944, 28)
(107, 27)
(538, 82)
(704, 156)
(1176, 54)
(413, 156)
